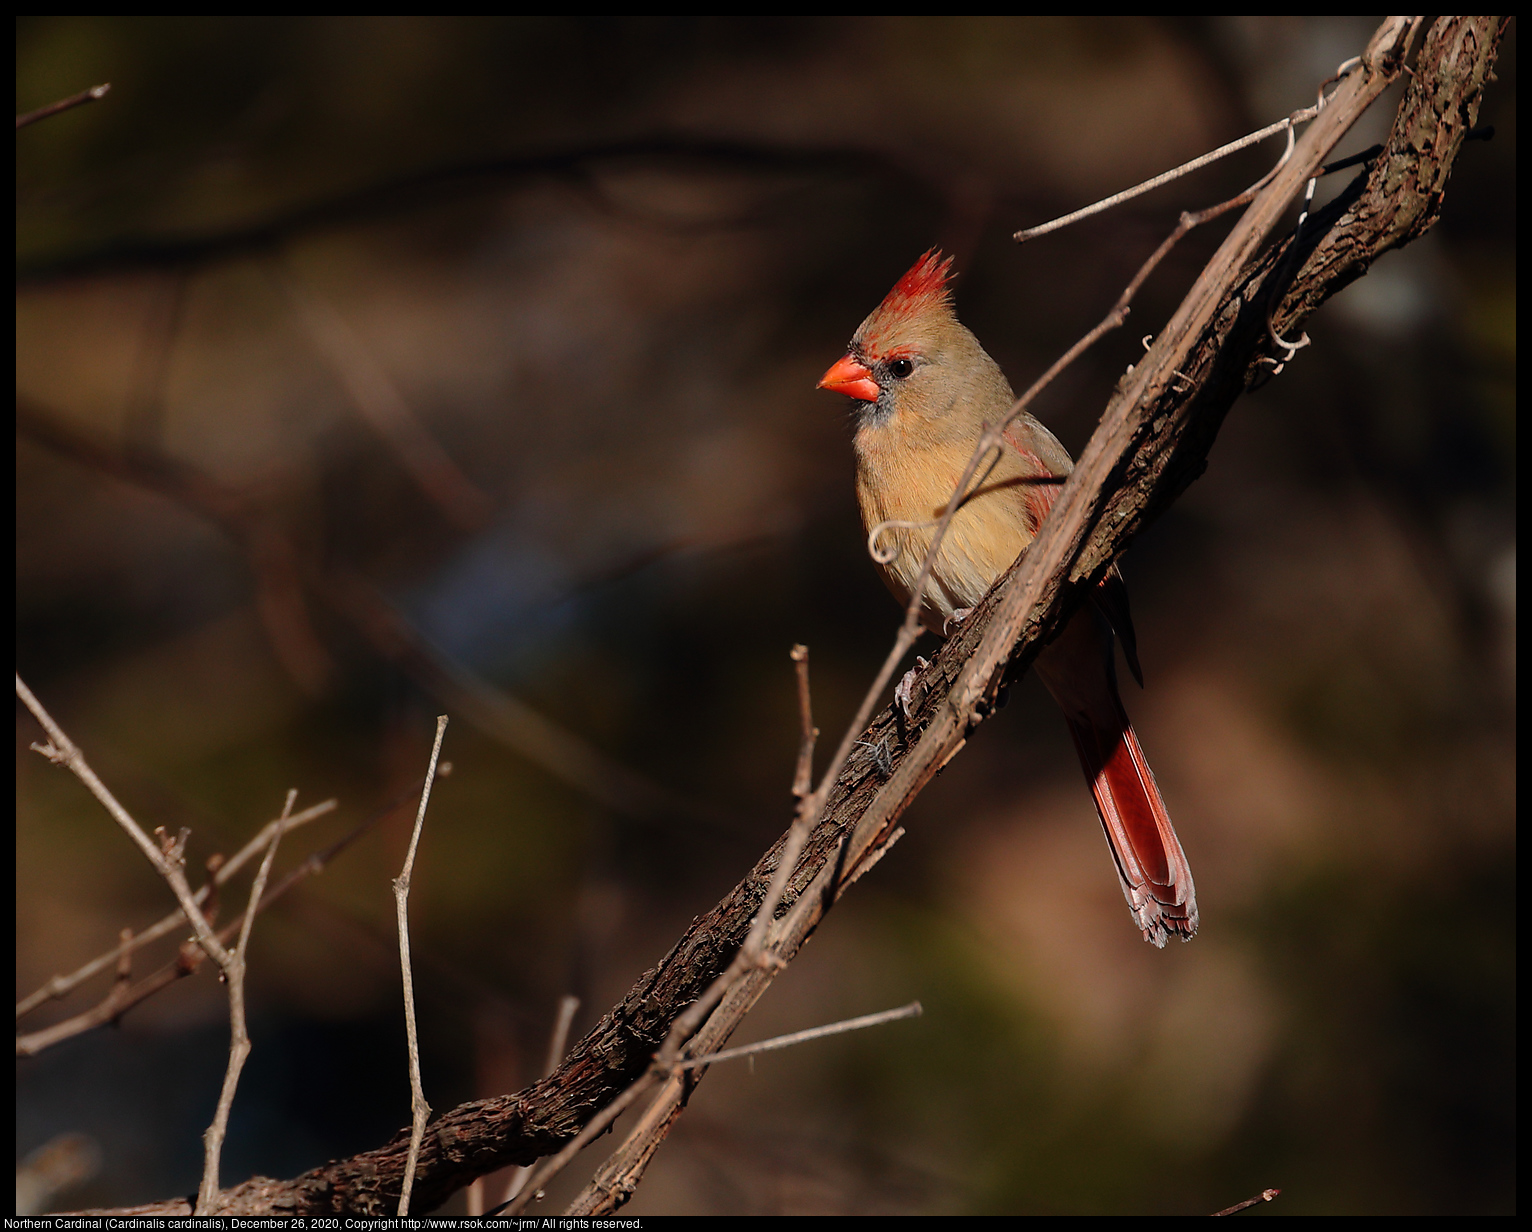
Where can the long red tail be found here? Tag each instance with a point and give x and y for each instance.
(1156, 879)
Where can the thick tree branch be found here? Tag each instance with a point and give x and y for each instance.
(1153, 441)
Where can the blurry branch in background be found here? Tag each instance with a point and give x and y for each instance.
(281, 575)
(1153, 441)
(383, 408)
(507, 719)
(64, 104)
(60, 985)
(57, 1165)
(274, 559)
(144, 418)
(578, 167)
(189, 960)
(558, 1044)
(419, 1109)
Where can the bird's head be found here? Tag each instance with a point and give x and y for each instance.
(912, 356)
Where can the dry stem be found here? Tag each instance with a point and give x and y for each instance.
(64, 104)
(190, 958)
(239, 1035)
(59, 985)
(1266, 1195)
(420, 1110)
(912, 1010)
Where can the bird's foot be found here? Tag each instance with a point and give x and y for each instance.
(959, 615)
(904, 691)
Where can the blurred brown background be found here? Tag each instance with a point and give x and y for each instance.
(514, 324)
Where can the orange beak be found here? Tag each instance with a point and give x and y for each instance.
(846, 376)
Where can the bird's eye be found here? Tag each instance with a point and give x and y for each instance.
(900, 368)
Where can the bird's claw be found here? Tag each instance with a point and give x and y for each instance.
(904, 691)
(959, 615)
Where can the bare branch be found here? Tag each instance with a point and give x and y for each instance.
(419, 1108)
(64, 104)
(168, 858)
(59, 985)
(912, 1010)
(239, 1035)
(1266, 1195)
(803, 780)
(1165, 177)
(190, 957)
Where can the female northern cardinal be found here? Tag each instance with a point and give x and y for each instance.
(927, 389)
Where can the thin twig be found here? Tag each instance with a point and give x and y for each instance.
(64, 104)
(1266, 1195)
(912, 1010)
(189, 960)
(59, 985)
(420, 1110)
(558, 1042)
(617, 1178)
(592, 1130)
(803, 780)
(62, 751)
(239, 1035)
(169, 858)
(1127, 194)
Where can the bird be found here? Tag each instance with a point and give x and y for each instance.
(924, 390)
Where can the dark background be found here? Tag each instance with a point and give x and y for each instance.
(601, 265)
